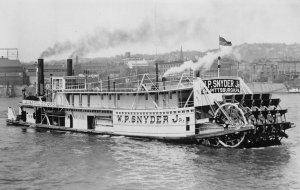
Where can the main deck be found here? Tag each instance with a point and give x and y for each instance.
(214, 111)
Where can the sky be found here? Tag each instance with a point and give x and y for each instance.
(58, 29)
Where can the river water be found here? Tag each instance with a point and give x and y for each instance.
(31, 159)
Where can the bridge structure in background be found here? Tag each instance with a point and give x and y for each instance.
(9, 53)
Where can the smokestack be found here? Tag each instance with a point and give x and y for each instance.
(198, 73)
(156, 85)
(69, 67)
(40, 78)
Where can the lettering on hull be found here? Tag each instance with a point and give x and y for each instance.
(39, 103)
(152, 120)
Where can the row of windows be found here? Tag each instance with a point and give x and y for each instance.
(170, 65)
(47, 70)
(94, 111)
(77, 116)
(75, 83)
(155, 113)
(128, 94)
(119, 96)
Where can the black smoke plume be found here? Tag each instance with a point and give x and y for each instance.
(165, 31)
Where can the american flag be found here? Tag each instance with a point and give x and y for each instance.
(223, 42)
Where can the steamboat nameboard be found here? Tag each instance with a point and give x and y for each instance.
(223, 85)
(39, 103)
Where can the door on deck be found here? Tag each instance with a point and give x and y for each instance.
(38, 115)
(71, 121)
(90, 122)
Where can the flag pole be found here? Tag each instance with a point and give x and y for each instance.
(219, 59)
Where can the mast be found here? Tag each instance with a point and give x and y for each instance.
(219, 58)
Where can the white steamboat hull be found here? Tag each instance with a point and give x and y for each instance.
(155, 123)
(160, 123)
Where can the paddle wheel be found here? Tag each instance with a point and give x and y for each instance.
(230, 116)
(260, 110)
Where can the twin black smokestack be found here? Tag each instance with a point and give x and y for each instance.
(40, 78)
(40, 91)
(69, 67)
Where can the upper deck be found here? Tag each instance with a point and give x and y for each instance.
(77, 84)
(74, 91)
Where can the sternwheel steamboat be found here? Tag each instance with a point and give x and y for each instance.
(216, 111)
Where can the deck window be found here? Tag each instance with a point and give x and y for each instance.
(187, 127)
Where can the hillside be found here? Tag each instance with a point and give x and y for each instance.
(248, 52)
(252, 52)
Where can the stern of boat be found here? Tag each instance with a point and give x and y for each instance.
(228, 114)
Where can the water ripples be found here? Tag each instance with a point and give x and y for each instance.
(31, 159)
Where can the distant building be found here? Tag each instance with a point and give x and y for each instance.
(228, 67)
(56, 70)
(289, 68)
(275, 69)
(11, 70)
(94, 67)
(165, 66)
(264, 70)
(134, 61)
